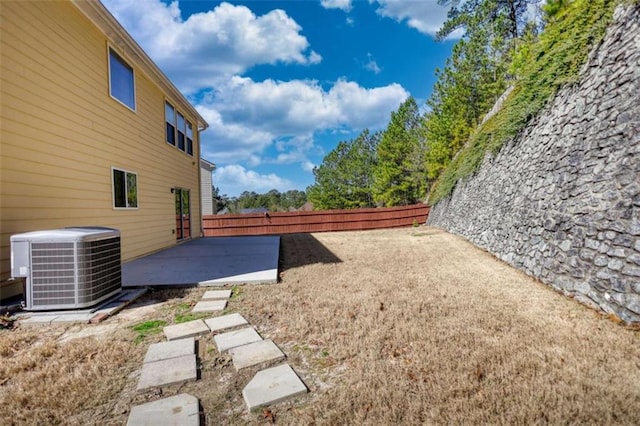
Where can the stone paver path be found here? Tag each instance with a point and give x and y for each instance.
(174, 361)
(217, 295)
(178, 410)
(255, 354)
(210, 306)
(168, 371)
(225, 321)
(185, 329)
(171, 349)
(272, 385)
(232, 339)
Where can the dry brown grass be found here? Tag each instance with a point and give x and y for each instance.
(418, 326)
(385, 327)
(76, 373)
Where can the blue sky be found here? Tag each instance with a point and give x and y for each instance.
(282, 82)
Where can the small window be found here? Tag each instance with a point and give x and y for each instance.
(170, 118)
(181, 141)
(125, 189)
(121, 81)
(189, 139)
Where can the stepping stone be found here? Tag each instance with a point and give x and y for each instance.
(217, 294)
(232, 339)
(271, 386)
(225, 321)
(210, 306)
(185, 329)
(168, 371)
(177, 410)
(171, 349)
(255, 353)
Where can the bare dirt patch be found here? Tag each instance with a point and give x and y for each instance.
(393, 326)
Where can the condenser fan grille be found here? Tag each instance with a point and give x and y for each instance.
(98, 269)
(53, 273)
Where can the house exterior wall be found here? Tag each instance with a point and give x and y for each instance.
(62, 134)
(206, 190)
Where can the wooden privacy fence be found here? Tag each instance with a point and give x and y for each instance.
(313, 221)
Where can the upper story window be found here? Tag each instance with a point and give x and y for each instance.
(170, 118)
(125, 189)
(121, 80)
(189, 139)
(179, 130)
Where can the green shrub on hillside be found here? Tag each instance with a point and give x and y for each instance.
(544, 66)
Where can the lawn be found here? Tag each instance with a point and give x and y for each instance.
(396, 326)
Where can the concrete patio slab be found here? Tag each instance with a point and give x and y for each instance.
(208, 261)
(32, 318)
(271, 386)
(225, 321)
(168, 371)
(177, 410)
(109, 308)
(210, 306)
(255, 353)
(171, 349)
(266, 276)
(216, 295)
(186, 329)
(244, 336)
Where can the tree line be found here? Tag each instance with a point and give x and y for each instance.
(399, 164)
(274, 200)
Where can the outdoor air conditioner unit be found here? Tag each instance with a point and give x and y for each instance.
(67, 268)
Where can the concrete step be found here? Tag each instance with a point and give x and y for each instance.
(217, 295)
(178, 410)
(255, 354)
(225, 321)
(210, 306)
(232, 339)
(168, 371)
(172, 349)
(271, 386)
(185, 329)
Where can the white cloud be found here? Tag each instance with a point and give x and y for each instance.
(246, 117)
(308, 166)
(337, 4)
(426, 16)
(235, 179)
(372, 65)
(227, 40)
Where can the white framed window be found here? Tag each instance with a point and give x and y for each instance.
(121, 80)
(125, 189)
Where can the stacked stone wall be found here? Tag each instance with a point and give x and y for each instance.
(562, 200)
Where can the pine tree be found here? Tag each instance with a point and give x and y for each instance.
(345, 177)
(397, 178)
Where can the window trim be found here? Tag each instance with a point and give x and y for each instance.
(133, 74)
(113, 189)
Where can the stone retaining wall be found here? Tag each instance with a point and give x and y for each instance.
(562, 201)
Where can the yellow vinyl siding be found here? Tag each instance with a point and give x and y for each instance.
(62, 133)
